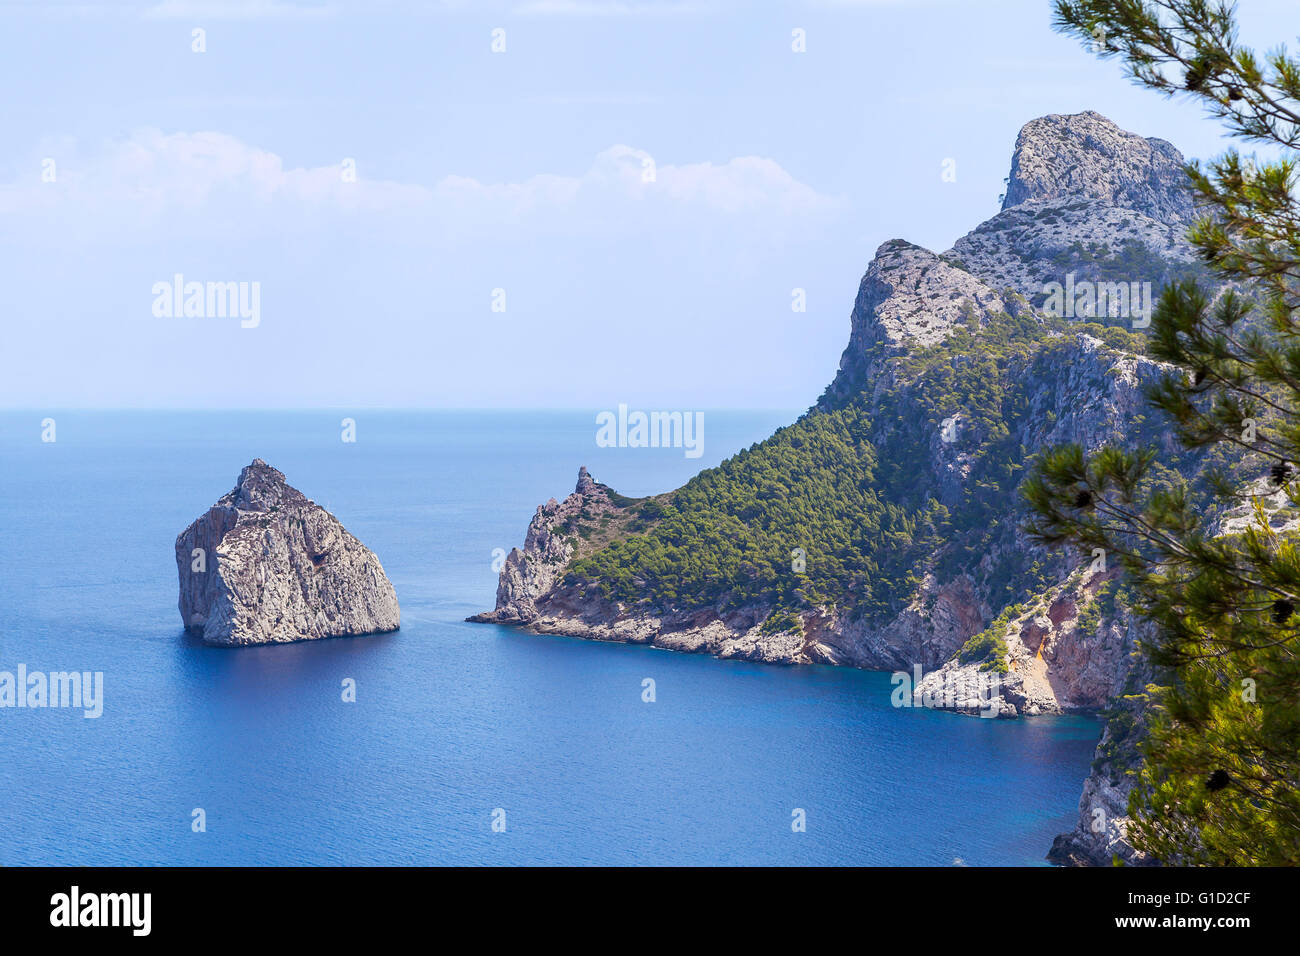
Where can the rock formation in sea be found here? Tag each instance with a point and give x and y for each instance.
(942, 451)
(267, 565)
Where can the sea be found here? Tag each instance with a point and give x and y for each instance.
(465, 744)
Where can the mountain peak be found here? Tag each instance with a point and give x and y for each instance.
(260, 488)
(1086, 156)
(909, 298)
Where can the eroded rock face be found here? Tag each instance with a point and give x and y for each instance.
(1059, 659)
(530, 573)
(909, 298)
(1037, 242)
(265, 565)
(1101, 835)
(1088, 200)
(1085, 155)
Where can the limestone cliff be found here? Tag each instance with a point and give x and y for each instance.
(1100, 837)
(1086, 156)
(909, 298)
(265, 565)
(1085, 200)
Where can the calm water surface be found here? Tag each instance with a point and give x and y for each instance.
(452, 720)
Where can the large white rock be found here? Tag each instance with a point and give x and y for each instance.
(266, 564)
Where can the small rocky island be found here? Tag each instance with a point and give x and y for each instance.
(267, 565)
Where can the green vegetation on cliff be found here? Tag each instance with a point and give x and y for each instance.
(843, 506)
(730, 534)
(988, 648)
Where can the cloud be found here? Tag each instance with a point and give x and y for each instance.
(624, 174)
(165, 185)
(156, 184)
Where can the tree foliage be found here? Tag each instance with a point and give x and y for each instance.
(1220, 778)
(844, 508)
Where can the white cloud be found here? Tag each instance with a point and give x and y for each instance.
(157, 184)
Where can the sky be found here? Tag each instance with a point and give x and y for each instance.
(518, 204)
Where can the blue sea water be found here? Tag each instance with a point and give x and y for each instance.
(452, 720)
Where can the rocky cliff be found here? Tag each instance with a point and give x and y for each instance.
(1100, 837)
(955, 374)
(265, 564)
(1085, 156)
(531, 591)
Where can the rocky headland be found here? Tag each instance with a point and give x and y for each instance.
(955, 375)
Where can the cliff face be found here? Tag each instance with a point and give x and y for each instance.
(909, 298)
(267, 565)
(532, 574)
(1063, 653)
(1086, 156)
(960, 375)
(531, 591)
(1088, 398)
(1101, 837)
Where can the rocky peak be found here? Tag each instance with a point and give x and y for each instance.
(1085, 197)
(915, 297)
(261, 488)
(267, 565)
(1086, 156)
(909, 298)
